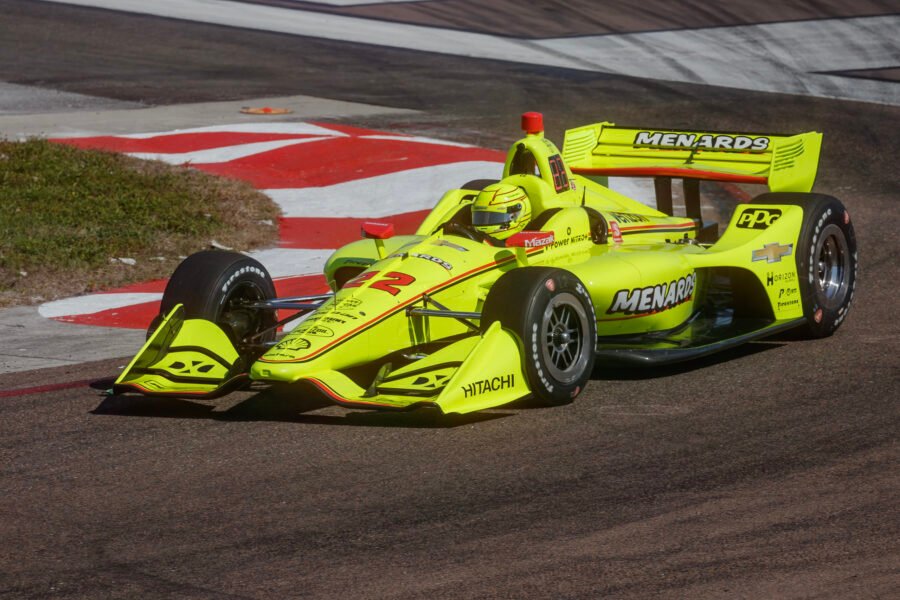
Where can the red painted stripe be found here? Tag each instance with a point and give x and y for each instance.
(40, 389)
(177, 143)
(672, 172)
(301, 285)
(136, 316)
(339, 160)
(300, 232)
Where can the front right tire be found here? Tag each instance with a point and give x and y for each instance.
(551, 313)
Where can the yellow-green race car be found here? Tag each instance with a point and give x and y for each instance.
(515, 288)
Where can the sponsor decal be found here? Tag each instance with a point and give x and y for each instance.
(758, 218)
(238, 273)
(492, 384)
(654, 298)
(349, 304)
(434, 259)
(389, 282)
(326, 318)
(788, 292)
(689, 141)
(293, 343)
(314, 329)
(357, 262)
(450, 245)
(772, 278)
(629, 218)
(772, 253)
(558, 170)
(788, 303)
(574, 239)
(616, 232)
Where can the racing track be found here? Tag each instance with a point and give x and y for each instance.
(767, 472)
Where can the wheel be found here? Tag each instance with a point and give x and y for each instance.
(827, 260)
(551, 312)
(218, 286)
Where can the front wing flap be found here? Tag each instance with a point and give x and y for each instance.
(184, 357)
(478, 372)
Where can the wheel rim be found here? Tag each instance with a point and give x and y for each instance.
(832, 267)
(237, 315)
(563, 333)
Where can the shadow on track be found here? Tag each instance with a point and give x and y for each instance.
(290, 404)
(294, 403)
(632, 372)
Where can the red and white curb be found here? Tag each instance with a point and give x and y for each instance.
(326, 178)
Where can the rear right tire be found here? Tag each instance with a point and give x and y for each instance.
(827, 259)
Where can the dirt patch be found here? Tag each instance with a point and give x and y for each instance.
(77, 221)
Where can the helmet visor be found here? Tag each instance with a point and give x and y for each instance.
(484, 217)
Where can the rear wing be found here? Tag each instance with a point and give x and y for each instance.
(784, 163)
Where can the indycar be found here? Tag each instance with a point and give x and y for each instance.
(453, 319)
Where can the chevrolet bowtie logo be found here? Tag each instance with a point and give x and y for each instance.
(772, 252)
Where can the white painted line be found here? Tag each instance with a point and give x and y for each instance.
(86, 305)
(416, 139)
(777, 57)
(223, 154)
(289, 262)
(383, 195)
(358, 2)
(300, 128)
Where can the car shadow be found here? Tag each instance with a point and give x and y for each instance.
(631, 372)
(289, 404)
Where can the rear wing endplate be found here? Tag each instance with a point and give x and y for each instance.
(784, 163)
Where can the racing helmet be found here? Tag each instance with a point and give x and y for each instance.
(500, 210)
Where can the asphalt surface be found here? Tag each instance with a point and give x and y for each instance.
(767, 472)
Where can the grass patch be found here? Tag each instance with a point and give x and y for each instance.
(67, 215)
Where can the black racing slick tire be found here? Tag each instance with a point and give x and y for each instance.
(219, 286)
(827, 259)
(551, 313)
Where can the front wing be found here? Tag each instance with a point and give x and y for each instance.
(195, 358)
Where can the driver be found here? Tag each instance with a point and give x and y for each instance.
(500, 210)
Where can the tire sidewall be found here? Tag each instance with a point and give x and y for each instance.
(538, 286)
(819, 216)
(819, 211)
(205, 281)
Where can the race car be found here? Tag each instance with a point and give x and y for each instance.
(517, 287)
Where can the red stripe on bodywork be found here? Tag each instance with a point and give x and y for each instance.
(661, 226)
(672, 172)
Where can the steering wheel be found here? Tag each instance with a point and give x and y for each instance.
(461, 230)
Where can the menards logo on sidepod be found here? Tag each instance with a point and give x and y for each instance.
(654, 298)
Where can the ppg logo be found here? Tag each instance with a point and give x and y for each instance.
(758, 218)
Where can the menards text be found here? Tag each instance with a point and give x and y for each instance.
(654, 298)
(692, 140)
